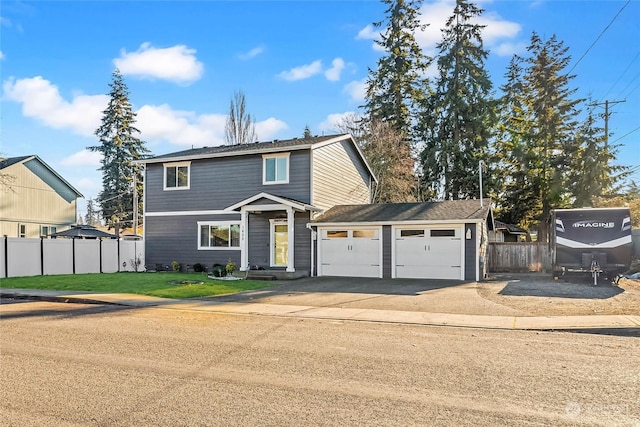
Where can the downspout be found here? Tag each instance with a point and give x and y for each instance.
(312, 249)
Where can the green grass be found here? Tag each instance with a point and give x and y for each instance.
(165, 285)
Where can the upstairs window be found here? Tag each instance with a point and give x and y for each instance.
(275, 169)
(176, 176)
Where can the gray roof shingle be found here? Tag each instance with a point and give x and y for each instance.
(393, 212)
(240, 149)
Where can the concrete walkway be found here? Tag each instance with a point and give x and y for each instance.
(336, 313)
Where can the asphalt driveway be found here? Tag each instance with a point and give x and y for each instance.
(501, 295)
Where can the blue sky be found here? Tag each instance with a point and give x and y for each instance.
(298, 63)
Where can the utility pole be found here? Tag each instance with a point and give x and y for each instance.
(606, 104)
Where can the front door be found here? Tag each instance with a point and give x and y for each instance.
(279, 243)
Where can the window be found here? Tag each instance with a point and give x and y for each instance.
(364, 234)
(176, 176)
(219, 235)
(22, 230)
(46, 230)
(443, 233)
(275, 169)
(337, 234)
(411, 233)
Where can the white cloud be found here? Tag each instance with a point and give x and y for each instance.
(83, 158)
(357, 89)
(177, 63)
(251, 54)
(41, 100)
(267, 129)
(302, 72)
(509, 49)
(333, 73)
(161, 123)
(1, 55)
(332, 120)
(368, 33)
(158, 123)
(436, 14)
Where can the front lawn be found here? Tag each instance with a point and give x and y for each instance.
(165, 285)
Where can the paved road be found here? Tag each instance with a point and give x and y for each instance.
(71, 364)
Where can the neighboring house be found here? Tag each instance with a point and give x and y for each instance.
(248, 203)
(302, 206)
(430, 240)
(504, 232)
(36, 201)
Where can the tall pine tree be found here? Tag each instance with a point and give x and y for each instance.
(592, 172)
(397, 86)
(539, 122)
(459, 120)
(120, 148)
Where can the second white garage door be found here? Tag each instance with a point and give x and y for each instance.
(432, 253)
(350, 252)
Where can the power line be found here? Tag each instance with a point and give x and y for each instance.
(622, 75)
(598, 38)
(626, 134)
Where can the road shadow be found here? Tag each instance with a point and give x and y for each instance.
(574, 287)
(616, 332)
(344, 285)
(64, 312)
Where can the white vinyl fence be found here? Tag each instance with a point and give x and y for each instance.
(35, 257)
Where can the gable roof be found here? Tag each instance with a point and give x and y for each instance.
(445, 211)
(275, 146)
(296, 204)
(36, 165)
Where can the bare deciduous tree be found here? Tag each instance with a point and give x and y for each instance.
(388, 154)
(240, 126)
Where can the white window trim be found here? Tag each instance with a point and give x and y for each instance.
(218, 248)
(264, 168)
(172, 165)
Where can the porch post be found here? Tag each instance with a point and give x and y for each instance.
(244, 241)
(290, 243)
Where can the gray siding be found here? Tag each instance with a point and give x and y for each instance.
(470, 256)
(339, 176)
(221, 182)
(387, 247)
(175, 238)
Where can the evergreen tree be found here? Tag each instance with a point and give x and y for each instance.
(539, 127)
(240, 126)
(554, 114)
(307, 132)
(397, 86)
(592, 173)
(459, 120)
(517, 199)
(120, 148)
(92, 216)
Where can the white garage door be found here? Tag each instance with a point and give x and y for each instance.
(428, 253)
(350, 252)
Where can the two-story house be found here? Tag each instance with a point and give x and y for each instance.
(251, 203)
(36, 200)
(303, 206)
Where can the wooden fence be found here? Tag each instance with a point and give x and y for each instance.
(518, 257)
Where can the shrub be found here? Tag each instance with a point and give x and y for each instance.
(198, 268)
(230, 267)
(175, 265)
(218, 270)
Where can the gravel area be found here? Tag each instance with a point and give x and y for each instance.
(540, 295)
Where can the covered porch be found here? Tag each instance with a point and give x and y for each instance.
(274, 240)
